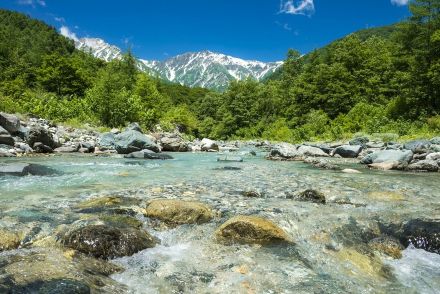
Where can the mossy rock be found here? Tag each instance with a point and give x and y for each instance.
(177, 212)
(108, 202)
(312, 196)
(387, 245)
(386, 196)
(9, 240)
(121, 221)
(359, 264)
(251, 230)
(105, 241)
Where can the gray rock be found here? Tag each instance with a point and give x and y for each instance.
(312, 196)
(134, 127)
(41, 148)
(417, 146)
(148, 155)
(435, 141)
(67, 149)
(40, 134)
(284, 151)
(424, 165)
(402, 157)
(3, 131)
(435, 148)
(321, 163)
(6, 153)
(107, 140)
(360, 141)
(174, 143)
(208, 144)
(311, 151)
(9, 122)
(348, 151)
(7, 140)
(24, 169)
(88, 146)
(433, 156)
(132, 141)
(375, 144)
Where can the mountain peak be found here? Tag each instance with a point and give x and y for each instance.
(205, 68)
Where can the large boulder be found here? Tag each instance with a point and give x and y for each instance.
(359, 141)
(433, 156)
(348, 151)
(307, 151)
(251, 230)
(208, 144)
(10, 122)
(40, 134)
(424, 165)
(132, 141)
(134, 127)
(7, 140)
(401, 157)
(177, 212)
(284, 151)
(104, 241)
(147, 154)
(107, 140)
(24, 169)
(417, 146)
(174, 143)
(435, 141)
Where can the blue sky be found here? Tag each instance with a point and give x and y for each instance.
(250, 29)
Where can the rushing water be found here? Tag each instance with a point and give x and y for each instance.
(326, 257)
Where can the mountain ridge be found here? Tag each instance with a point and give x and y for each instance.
(204, 69)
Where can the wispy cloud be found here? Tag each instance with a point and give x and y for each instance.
(303, 7)
(400, 2)
(59, 19)
(32, 3)
(66, 32)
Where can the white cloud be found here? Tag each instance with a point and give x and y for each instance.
(400, 2)
(304, 7)
(66, 32)
(59, 19)
(32, 3)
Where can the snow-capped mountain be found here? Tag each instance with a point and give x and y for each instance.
(200, 69)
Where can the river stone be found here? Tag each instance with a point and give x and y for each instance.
(108, 202)
(3, 131)
(104, 241)
(9, 122)
(40, 134)
(433, 156)
(41, 148)
(177, 212)
(435, 141)
(8, 240)
(360, 141)
(66, 149)
(5, 153)
(251, 230)
(107, 140)
(174, 143)
(24, 169)
(387, 245)
(312, 196)
(402, 157)
(283, 151)
(147, 155)
(132, 141)
(311, 151)
(424, 165)
(348, 151)
(134, 127)
(7, 140)
(208, 144)
(56, 286)
(417, 146)
(321, 163)
(389, 165)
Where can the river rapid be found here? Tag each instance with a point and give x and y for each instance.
(330, 253)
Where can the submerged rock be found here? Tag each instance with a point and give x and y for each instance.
(230, 158)
(312, 196)
(177, 212)
(387, 245)
(24, 169)
(251, 230)
(8, 240)
(104, 241)
(144, 154)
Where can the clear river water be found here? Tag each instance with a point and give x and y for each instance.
(329, 255)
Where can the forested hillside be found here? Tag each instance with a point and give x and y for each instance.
(384, 80)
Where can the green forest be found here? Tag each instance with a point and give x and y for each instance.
(383, 81)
